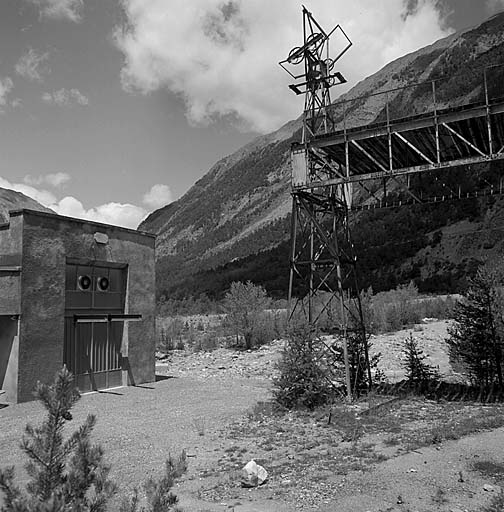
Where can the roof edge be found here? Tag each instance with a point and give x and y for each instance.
(22, 211)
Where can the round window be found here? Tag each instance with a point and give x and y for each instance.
(103, 283)
(84, 283)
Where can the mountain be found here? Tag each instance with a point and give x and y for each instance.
(12, 200)
(234, 222)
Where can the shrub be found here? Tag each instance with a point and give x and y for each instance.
(159, 496)
(64, 474)
(395, 309)
(304, 381)
(438, 307)
(170, 334)
(246, 305)
(206, 342)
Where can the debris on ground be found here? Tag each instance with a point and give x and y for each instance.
(253, 475)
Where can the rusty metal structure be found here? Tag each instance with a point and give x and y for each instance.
(362, 153)
(322, 257)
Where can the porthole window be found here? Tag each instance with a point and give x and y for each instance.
(102, 283)
(84, 283)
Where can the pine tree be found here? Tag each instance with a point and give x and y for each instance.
(64, 474)
(418, 372)
(476, 337)
(159, 495)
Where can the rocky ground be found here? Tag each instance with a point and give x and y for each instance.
(382, 454)
(224, 363)
(411, 455)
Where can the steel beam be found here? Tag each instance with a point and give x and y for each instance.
(355, 178)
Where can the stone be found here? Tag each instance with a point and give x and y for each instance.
(253, 475)
(488, 488)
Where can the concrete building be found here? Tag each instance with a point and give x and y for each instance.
(77, 293)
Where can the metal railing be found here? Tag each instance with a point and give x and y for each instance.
(461, 90)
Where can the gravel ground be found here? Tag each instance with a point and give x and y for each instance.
(138, 427)
(197, 396)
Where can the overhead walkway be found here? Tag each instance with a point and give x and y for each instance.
(437, 138)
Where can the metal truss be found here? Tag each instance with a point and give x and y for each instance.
(323, 274)
(323, 286)
(439, 138)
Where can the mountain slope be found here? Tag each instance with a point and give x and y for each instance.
(241, 207)
(12, 200)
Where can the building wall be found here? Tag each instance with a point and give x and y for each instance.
(10, 263)
(47, 242)
(10, 306)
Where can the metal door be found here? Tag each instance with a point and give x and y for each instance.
(92, 348)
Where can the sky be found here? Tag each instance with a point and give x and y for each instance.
(110, 109)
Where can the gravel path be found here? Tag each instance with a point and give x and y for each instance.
(139, 426)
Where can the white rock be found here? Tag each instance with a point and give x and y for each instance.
(253, 474)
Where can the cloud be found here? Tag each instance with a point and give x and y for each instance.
(42, 196)
(60, 9)
(158, 196)
(221, 57)
(65, 97)
(118, 214)
(6, 86)
(31, 65)
(56, 180)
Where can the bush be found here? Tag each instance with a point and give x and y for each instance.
(304, 381)
(438, 307)
(206, 342)
(158, 493)
(246, 305)
(395, 309)
(170, 335)
(64, 474)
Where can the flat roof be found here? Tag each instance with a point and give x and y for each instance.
(22, 211)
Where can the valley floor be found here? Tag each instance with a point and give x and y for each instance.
(215, 405)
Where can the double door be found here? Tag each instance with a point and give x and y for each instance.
(93, 335)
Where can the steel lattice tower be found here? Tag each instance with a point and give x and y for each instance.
(323, 279)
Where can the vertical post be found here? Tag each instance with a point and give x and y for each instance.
(391, 162)
(75, 344)
(436, 123)
(312, 268)
(107, 351)
(343, 319)
(489, 123)
(292, 255)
